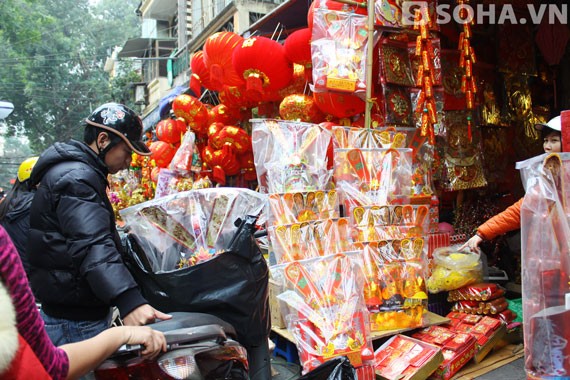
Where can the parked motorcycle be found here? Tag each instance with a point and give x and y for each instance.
(199, 347)
(232, 286)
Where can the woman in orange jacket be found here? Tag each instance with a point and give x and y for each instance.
(510, 219)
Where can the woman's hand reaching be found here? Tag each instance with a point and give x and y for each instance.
(472, 244)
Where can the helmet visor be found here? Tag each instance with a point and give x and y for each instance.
(131, 138)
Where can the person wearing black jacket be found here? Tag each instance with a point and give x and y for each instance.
(15, 210)
(77, 271)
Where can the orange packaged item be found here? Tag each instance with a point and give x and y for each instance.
(476, 292)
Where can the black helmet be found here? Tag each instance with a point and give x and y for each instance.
(122, 121)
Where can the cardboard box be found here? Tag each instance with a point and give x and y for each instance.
(275, 305)
(453, 361)
(406, 358)
(483, 350)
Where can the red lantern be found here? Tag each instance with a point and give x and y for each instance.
(263, 64)
(218, 50)
(300, 107)
(247, 165)
(223, 114)
(162, 153)
(213, 130)
(200, 73)
(170, 130)
(297, 84)
(192, 111)
(222, 162)
(234, 136)
(339, 104)
(234, 97)
(298, 49)
(154, 174)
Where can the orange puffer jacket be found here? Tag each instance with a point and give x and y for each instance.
(508, 220)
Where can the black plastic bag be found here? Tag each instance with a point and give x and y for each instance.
(232, 286)
(334, 369)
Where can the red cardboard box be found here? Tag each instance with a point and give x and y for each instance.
(402, 357)
(457, 349)
(565, 120)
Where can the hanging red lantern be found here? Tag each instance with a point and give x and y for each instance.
(154, 174)
(170, 130)
(193, 111)
(262, 63)
(247, 165)
(298, 50)
(234, 96)
(300, 107)
(213, 130)
(218, 50)
(233, 136)
(223, 114)
(222, 162)
(339, 104)
(296, 86)
(200, 73)
(162, 153)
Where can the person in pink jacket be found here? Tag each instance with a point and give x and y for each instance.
(26, 352)
(510, 219)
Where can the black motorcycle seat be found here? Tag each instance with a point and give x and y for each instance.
(182, 320)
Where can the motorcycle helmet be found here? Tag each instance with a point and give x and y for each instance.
(123, 122)
(25, 168)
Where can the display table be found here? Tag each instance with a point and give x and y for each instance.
(430, 319)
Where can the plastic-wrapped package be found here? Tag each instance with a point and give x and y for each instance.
(546, 265)
(374, 223)
(327, 316)
(338, 51)
(454, 269)
(356, 137)
(290, 156)
(373, 176)
(483, 291)
(182, 160)
(394, 283)
(288, 208)
(299, 241)
(186, 228)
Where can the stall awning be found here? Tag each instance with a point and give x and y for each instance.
(291, 15)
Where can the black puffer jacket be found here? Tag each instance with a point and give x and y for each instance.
(77, 271)
(17, 223)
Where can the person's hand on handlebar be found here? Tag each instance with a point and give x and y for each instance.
(143, 315)
(153, 341)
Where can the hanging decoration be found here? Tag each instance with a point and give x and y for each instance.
(193, 111)
(200, 73)
(218, 50)
(170, 130)
(262, 63)
(466, 61)
(298, 50)
(300, 107)
(425, 76)
(162, 153)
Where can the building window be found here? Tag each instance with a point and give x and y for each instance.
(254, 17)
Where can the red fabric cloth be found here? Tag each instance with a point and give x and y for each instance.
(25, 364)
(565, 120)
